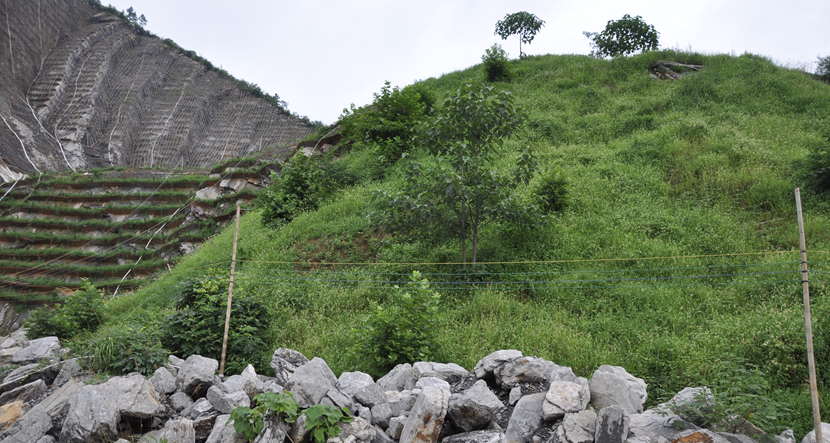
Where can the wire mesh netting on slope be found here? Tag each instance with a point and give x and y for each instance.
(92, 91)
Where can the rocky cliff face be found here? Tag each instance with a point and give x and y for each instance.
(80, 89)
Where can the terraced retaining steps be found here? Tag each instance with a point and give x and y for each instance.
(115, 227)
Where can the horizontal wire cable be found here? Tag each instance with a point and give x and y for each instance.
(520, 273)
(244, 275)
(736, 254)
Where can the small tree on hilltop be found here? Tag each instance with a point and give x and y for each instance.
(823, 68)
(458, 192)
(523, 25)
(622, 37)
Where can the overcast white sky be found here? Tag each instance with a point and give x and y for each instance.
(321, 55)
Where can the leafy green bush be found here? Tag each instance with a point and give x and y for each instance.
(496, 64)
(301, 185)
(321, 420)
(388, 125)
(198, 325)
(818, 162)
(404, 330)
(81, 312)
(552, 190)
(130, 348)
(623, 37)
(249, 421)
(295, 189)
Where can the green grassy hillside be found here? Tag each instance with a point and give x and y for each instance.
(678, 250)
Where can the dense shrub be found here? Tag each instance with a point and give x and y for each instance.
(388, 124)
(198, 325)
(81, 312)
(130, 348)
(300, 186)
(403, 330)
(552, 190)
(818, 163)
(496, 64)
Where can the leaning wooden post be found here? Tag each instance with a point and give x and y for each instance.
(811, 361)
(230, 295)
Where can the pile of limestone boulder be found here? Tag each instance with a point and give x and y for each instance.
(508, 397)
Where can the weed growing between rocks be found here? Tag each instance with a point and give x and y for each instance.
(403, 330)
(321, 420)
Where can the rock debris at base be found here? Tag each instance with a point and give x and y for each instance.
(507, 398)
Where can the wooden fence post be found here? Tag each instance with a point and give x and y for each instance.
(230, 295)
(805, 285)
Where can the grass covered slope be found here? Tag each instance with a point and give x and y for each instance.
(677, 252)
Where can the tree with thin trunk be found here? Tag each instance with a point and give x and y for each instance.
(523, 25)
(456, 191)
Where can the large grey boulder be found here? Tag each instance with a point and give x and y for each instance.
(352, 382)
(527, 418)
(381, 414)
(432, 381)
(612, 425)
(200, 408)
(485, 367)
(475, 407)
(25, 393)
(163, 381)
(401, 401)
(370, 395)
(223, 432)
(613, 385)
(30, 428)
(340, 400)
(356, 431)
(57, 403)
(92, 416)
(449, 372)
(427, 417)
(224, 401)
(656, 425)
(70, 369)
(39, 349)
(531, 370)
(21, 372)
(284, 362)
(311, 382)
(247, 382)
(579, 427)
(94, 412)
(196, 375)
(180, 401)
(272, 432)
(564, 397)
(7, 354)
(179, 430)
(811, 436)
(691, 404)
(381, 437)
(398, 379)
(477, 437)
(395, 428)
(135, 395)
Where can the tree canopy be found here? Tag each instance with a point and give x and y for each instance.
(523, 25)
(458, 192)
(622, 37)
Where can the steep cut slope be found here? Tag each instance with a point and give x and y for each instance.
(82, 89)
